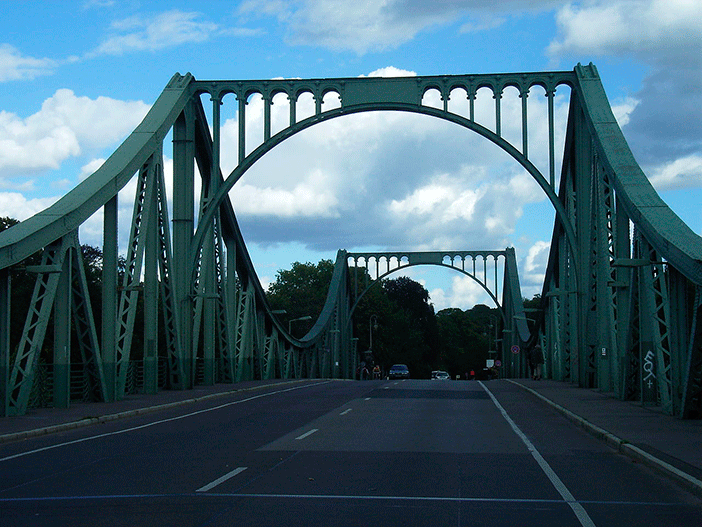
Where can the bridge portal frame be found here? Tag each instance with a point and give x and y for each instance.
(514, 326)
(602, 281)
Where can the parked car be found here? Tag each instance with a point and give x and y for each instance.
(399, 371)
(442, 376)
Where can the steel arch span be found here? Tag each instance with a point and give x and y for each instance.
(502, 268)
(621, 302)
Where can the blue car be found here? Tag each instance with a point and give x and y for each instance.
(399, 371)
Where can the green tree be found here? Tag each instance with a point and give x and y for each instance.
(415, 335)
(465, 337)
(301, 291)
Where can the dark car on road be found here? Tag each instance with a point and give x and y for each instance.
(399, 371)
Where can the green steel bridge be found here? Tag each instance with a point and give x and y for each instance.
(621, 306)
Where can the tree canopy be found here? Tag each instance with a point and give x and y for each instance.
(301, 292)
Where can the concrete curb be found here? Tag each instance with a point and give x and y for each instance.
(691, 483)
(26, 434)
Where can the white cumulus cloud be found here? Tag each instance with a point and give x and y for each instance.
(65, 126)
(683, 172)
(16, 66)
(171, 28)
(378, 25)
(16, 205)
(638, 26)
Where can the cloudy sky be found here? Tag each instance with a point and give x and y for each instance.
(77, 77)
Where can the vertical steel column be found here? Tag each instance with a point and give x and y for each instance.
(151, 255)
(171, 322)
(551, 140)
(209, 265)
(471, 104)
(128, 303)
(292, 100)
(62, 335)
(554, 334)
(5, 296)
(692, 385)
(622, 297)
(207, 293)
(498, 112)
(649, 374)
(267, 102)
(260, 343)
(523, 94)
(230, 303)
(183, 221)
(582, 181)
(678, 333)
(318, 100)
(270, 355)
(607, 288)
(109, 296)
(246, 334)
(241, 97)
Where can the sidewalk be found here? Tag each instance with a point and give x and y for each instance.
(665, 443)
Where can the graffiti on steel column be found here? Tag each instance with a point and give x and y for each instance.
(649, 387)
(650, 376)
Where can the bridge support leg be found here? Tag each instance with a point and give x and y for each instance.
(62, 336)
(109, 297)
(151, 295)
(183, 221)
(623, 302)
(5, 284)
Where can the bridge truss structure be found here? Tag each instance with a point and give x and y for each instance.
(489, 269)
(621, 303)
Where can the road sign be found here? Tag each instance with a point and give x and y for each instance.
(498, 363)
(515, 349)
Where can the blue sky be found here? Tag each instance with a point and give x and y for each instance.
(77, 77)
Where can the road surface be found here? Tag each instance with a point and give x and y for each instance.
(374, 453)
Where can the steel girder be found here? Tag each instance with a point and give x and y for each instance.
(596, 287)
(5, 347)
(516, 337)
(511, 307)
(60, 286)
(621, 314)
(149, 245)
(131, 284)
(393, 261)
(692, 383)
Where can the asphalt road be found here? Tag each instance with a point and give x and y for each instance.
(375, 453)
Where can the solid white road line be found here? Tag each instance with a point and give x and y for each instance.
(346, 411)
(224, 478)
(306, 434)
(580, 513)
(153, 423)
